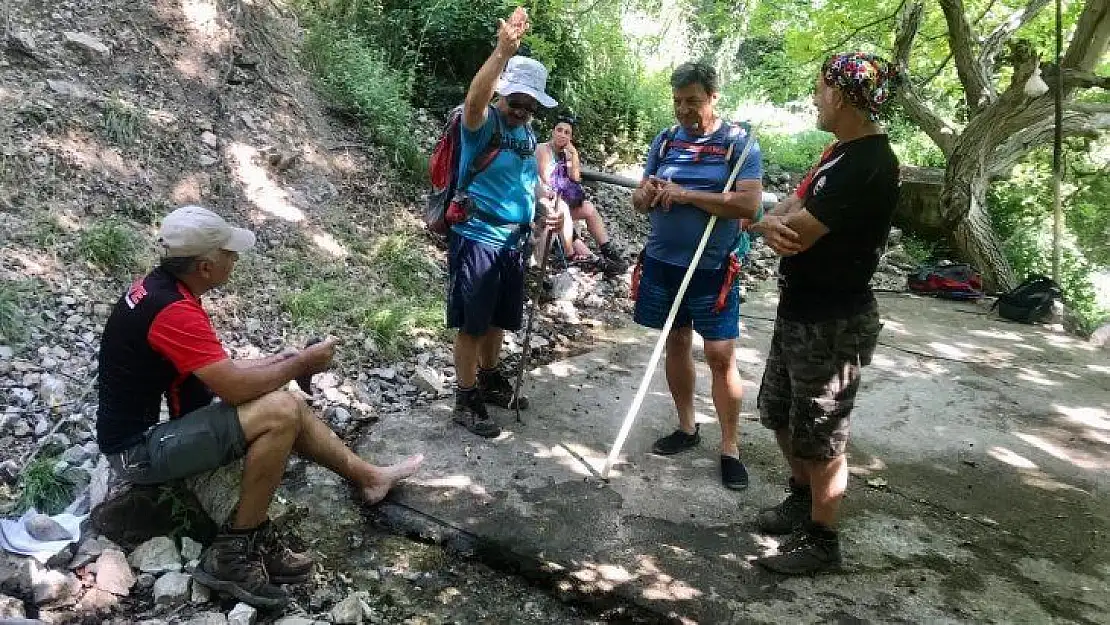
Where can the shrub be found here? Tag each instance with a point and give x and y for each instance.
(793, 152)
(111, 245)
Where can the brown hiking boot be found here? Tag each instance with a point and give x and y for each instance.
(471, 413)
(233, 565)
(789, 515)
(283, 565)
(812, 549)
(496, 389)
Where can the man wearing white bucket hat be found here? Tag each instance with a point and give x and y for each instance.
(159, 342)
(486, 260)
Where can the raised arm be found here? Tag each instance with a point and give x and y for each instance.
(509, 34)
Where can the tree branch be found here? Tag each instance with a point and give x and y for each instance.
(940, 131)
(940, 68)
(1076, 123)
(824, 53)
(977, 85)
(1091, 37)
(1002, 33)
(1076, 79)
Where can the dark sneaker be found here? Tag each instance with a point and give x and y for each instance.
(813, 549)
(734, 475)
(496, 389)
(471, 413)
(610, 267)
(789, 515)
(614, 259)
(233, 565)
(283, 565)
(677, 441)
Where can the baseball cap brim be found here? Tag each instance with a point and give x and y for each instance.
(506, 88)
(241, 240)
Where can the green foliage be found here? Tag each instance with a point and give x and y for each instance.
(120, 121)
(13, 327)
(112, 245)
(358, 78)
(918, 249)
(1022, 212)
(42, 490)
(793, 152)
(180, 512)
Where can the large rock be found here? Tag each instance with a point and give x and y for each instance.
(113, 573)
(206, 618)
(218, 493)
(157, 555)
(12, 608)
(97, 601)
(49, 586)
(1101, 337)
(15, 575)
(89, 45)
(144, 512)
(190, 549)
(172, 589)
(352, 610)
(242, 614)
(42, 527)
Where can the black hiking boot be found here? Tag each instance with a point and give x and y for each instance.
(232, 564)
(615, 263)
(677, 441)
(789, 515)
(812, 549)
(734, 475)
(496, 389)
(471, 413)
(283, 565)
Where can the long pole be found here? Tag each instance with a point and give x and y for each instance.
(546, 242)
(1058, 151)
(653, 362)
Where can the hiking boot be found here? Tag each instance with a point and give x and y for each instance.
(789, 515)
(232, 564)
(734, 475)
(813, 549)
(496, 389)
(677, 441)
(610, 267)
(616, 261)
(283, 565)
(471, 413)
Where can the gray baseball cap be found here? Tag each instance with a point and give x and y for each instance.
(195, 230)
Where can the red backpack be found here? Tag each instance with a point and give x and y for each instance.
(448, 203)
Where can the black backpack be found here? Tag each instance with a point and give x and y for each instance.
(1031, 301)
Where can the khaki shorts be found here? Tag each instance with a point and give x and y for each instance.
(811, 378)
(202, 440)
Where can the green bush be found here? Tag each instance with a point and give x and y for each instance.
(111, 245)
(43, 490)
(12, 321)
(357, 78)
(793, 152)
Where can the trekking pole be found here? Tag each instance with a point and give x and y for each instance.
(546, 241)
(626, 426)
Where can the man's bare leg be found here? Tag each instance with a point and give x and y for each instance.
(798, 469)
(466, 359)
(681, 375)
(728, 393)
(828, 481)
(489, 348)
(270, 424)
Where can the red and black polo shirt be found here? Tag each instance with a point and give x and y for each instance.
(157, 336)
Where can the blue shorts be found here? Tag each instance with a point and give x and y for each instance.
(659, 282)
(485, 287)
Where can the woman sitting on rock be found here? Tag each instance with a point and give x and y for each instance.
(560, 173)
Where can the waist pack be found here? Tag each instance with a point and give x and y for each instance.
(958, 282)
(1031, 301)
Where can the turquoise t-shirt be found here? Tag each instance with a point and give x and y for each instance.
(504, 193)
(698, 163)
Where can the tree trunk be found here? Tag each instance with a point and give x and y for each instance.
(974, 237)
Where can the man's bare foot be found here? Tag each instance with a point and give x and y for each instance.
(389, 477)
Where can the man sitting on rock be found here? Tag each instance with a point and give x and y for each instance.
(159, 342)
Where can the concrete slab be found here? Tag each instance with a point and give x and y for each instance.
(979, 461)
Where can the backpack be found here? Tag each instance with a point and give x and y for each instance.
(958, 282)
(447, 203)
(1031, 301)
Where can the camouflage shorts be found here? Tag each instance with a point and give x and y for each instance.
(810, 382)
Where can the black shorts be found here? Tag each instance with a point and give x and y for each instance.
(200, 441)
(811, 378)
(485, 287)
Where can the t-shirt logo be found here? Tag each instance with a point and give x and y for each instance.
(135, 294)
(820, 184)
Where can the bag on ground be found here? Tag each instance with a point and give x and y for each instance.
(1031, 301)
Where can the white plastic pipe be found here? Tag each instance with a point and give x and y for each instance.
(638, 400)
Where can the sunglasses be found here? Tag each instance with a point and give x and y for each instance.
(527, 105)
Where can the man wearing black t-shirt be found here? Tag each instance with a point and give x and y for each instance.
(830, 234)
